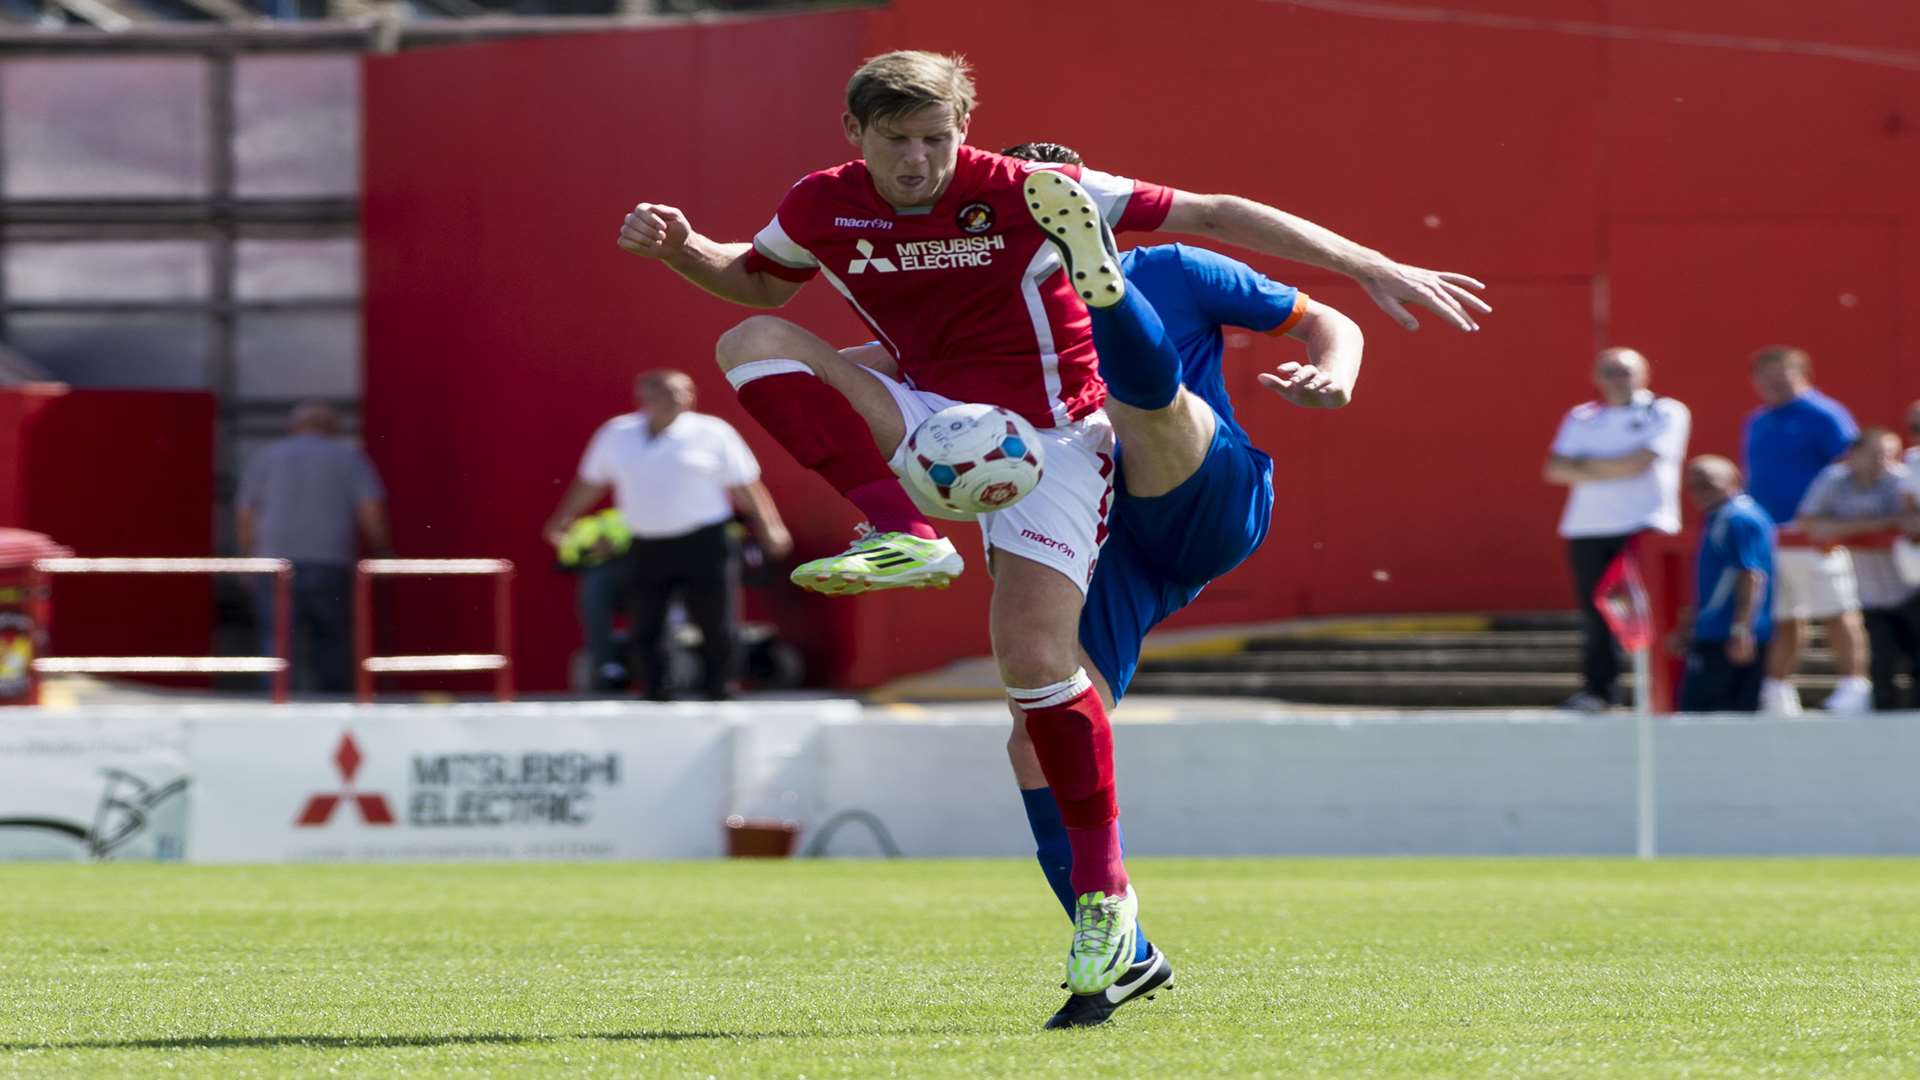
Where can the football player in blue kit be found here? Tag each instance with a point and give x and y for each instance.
(1195, 495)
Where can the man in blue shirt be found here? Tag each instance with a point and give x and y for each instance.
(1733, 617)
(1194, 497)
(309, 498)
(1797, 432)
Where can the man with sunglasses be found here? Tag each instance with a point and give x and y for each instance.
(1619, 458)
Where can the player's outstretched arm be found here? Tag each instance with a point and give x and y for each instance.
(1259, 227)
(1334, 344)
(657, 231)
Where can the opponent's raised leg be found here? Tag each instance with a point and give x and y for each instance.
(1165, 430)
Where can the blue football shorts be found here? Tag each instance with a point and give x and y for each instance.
(1163, 550)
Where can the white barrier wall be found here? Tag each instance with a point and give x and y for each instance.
(1831, 786)
(464, 783)
(1463, 784)
(630, 780)
(1457, 784)
(76, 786)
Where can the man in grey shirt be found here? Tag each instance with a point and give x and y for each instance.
(1861, 498)
(303, 499)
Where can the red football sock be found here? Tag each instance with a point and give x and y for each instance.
(1074, 742)
(890, 509)
(1098, 851)
(812, 422)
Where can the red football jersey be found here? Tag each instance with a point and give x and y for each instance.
(967, 294)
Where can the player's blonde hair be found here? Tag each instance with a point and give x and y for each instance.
(896, 84)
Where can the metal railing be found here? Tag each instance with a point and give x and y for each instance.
(500, 661)
(40, 592)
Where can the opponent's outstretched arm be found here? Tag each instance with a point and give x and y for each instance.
(1334, 344)
(1392, 285)
(656, 231)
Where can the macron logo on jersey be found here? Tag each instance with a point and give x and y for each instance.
(880, 264)
(954, 254)
(861, 223)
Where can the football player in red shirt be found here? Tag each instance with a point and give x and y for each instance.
(931, 244)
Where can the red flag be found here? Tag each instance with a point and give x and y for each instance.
(1621, 597)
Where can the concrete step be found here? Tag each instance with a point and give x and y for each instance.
(1439, 639)
(1457, 690)
(1534, 620)
(1408, 660)
(1389, 689)
(1341, 656)
(1528, 659)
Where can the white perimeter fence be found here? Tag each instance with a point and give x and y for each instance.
(639, 781)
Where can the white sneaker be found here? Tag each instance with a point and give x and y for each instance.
(1585, 702)
(1854, 694)
(1779, 698)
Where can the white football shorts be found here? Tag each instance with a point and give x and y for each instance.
(1813, 584)
(1061, 523)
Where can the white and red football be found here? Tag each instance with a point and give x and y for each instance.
(973, 459)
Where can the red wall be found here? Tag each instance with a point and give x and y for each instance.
(1696, 201)
(502, 323)
(115, 473)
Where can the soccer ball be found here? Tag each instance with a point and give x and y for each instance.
(973, 459)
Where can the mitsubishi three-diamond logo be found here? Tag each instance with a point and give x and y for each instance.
(373, 808)
(880, 263)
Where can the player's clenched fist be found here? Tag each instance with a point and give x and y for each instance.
(655, 231)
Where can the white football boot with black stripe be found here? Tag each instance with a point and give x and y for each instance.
(1140, 981)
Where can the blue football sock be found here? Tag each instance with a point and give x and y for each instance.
(1050, 843)
(1056, 856)
(1141, 367)
(1141, 946)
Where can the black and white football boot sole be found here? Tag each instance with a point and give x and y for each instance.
(1141, 980)
(1071, 219)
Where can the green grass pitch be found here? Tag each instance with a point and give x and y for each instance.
(1340, 968)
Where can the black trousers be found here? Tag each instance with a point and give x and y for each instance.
(701, 569)
(1600, 660)
(321, 625)
(1893, 636)
(1714, 683)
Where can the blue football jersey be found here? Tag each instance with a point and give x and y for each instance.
(1196, 292)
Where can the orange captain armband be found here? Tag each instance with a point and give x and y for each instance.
(1293, 318)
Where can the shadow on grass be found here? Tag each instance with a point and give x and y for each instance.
(355, 1042)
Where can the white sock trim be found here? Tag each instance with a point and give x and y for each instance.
(760, 369)
(1043, 697)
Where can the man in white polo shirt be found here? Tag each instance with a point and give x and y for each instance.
(677, 477)
(1620, 458)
